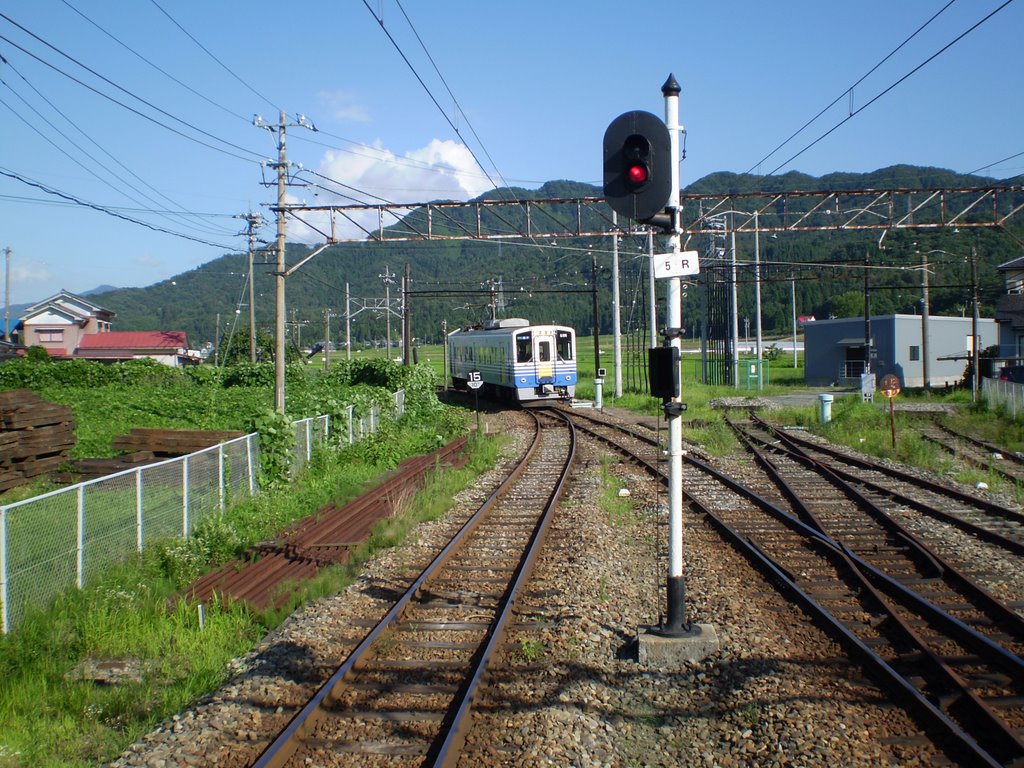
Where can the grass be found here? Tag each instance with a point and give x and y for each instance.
(51, 716)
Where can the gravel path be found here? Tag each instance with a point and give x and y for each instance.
(778, 693)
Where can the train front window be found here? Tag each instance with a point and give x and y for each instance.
(544, 351)
(524, 347)
(564, 345)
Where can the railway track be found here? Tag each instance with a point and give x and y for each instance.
(976, 453)
(404, 696)
(939, 643)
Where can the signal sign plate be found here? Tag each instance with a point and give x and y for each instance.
(676, 264)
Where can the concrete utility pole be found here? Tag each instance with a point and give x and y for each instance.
(407, 317)
(327, 337)
(7, 295)
(253, 222)
(388, 278)
(281, 166)
(975, 351)
(616, 311)
(348, 323)
(925, 362)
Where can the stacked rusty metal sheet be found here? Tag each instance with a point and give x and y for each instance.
(35, 436)
(325, 538)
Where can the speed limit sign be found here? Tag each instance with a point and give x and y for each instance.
(475, 380)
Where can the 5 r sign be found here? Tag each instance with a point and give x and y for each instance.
(676, 264)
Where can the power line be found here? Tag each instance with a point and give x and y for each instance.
(104, 209)
(159, 69)
(210, 54)
(123, 90)
(850, 89)
(857, 111)
(67, 138)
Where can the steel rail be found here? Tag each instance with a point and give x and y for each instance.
(956, 493)
(1005, 741)
(1010, 620)
(302, 724)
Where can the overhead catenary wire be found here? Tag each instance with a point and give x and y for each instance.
(909, 74)
(126, 91)
(209, 53)
(849, 90)
(158, 68)
(96, 207)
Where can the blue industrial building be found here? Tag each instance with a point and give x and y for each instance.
(835, 352)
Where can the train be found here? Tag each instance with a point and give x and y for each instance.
(510, 359)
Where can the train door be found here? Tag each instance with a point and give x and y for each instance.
(545, 359)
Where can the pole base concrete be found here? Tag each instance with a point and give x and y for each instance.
(672, 650)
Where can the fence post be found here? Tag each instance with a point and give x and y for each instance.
(4, 601)
(249, 463)
(351, 430)
(184, 498)
(309, 439)
(220, 475)
(138, 507)
(80, 565)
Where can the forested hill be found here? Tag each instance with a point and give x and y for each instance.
(456, 281)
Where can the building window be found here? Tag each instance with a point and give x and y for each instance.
(51, 335)
(915, 354)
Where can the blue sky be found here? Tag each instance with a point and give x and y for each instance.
(169, 140)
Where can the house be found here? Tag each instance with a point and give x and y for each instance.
(59, 323)
(1010, 313)
(834, 350)
(167, 347)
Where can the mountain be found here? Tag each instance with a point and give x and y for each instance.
(456, 281)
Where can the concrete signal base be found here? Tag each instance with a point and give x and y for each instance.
(659, 649)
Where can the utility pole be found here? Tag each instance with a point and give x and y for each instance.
(616, 312)
(597, 324)
(975, 353)
(348, 324)
(407, 318)
(253, 222)
(7, 295)
(327, 337)
(867, 312)
(734, 315)
(281, 166)
(388, 278)
(925, 362)
(216, 344)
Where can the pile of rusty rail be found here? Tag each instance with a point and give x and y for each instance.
(265, 577)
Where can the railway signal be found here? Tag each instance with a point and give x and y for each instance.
(637, 165)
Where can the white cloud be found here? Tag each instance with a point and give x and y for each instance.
(442, 170)
(341, 105)
(29, 271)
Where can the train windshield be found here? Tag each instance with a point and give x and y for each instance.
(564, 345)
(544, 351)
(524, 347)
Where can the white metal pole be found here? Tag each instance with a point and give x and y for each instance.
(184, 497)
(735, 315)
(138, 508)
(652, 291)
(80, 565)
(4, 601)
(676, 619)
(792, 292)
(616, 311)
(757, 300)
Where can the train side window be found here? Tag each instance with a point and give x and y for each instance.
(564, 345)
(524, 347)
(544, 351)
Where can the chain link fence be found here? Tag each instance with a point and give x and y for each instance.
(71, 535)
(1008, 395)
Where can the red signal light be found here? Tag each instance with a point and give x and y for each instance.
(637, 174)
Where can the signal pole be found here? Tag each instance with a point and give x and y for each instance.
(254, 222)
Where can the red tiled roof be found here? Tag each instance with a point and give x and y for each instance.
(170, 340)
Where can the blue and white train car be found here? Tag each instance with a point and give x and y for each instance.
(515, 360)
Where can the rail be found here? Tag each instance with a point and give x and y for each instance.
(68, 536)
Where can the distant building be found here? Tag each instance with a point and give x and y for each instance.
(167, 347)
(58, 323)
(1010, 313)
(835, 354)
